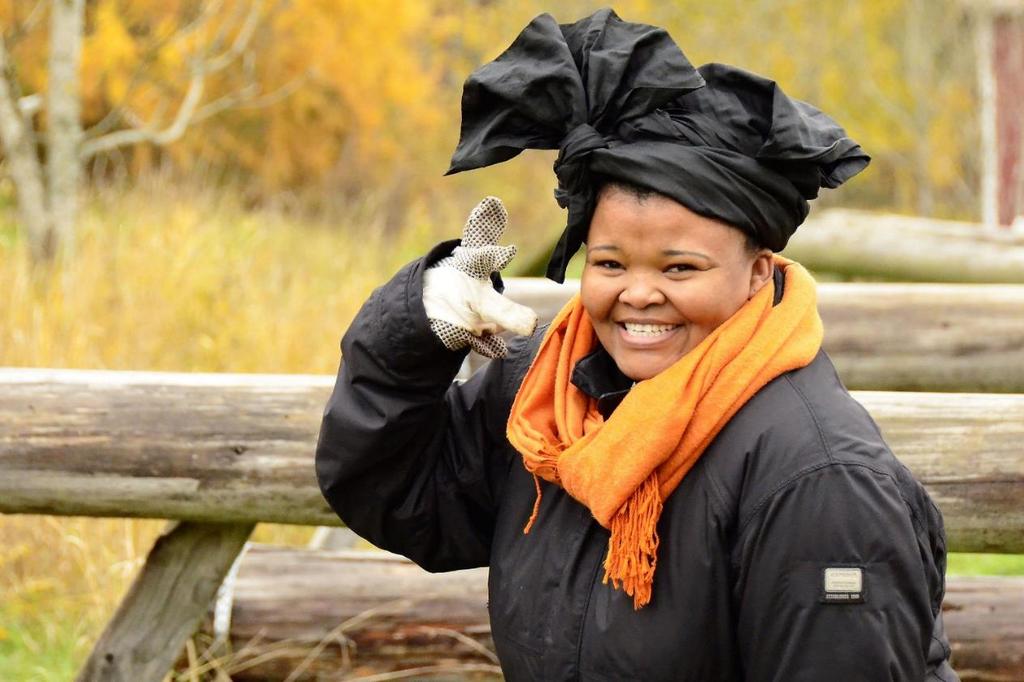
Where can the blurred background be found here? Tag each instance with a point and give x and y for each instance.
(247, 171)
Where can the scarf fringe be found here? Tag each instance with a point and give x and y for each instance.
(536, 506)
(633, 545)
(543, 465)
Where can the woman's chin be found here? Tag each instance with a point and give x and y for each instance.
(641, 368)
(641, 358)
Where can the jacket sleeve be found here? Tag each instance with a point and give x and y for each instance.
(839, 576)
(407, 459)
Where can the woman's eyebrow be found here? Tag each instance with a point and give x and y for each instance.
(676, 252)
(604, 247)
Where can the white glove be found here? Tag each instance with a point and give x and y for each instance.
(463, 307)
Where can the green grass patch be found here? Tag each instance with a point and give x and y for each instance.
(985, 564)
(35, 647)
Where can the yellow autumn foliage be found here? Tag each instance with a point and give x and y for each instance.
(353, 94)
(359, 105)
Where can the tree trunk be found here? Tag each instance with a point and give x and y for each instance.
(64, 126)
(19, 144)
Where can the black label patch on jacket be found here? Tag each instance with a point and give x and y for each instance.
(842, 585)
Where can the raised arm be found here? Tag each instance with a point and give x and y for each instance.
(409, 460)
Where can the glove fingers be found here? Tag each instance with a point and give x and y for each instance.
(457, 338)
(457, 294)
(453, 338)
(500, 256)
(492, 306)
(486, 223)
(480, 262)
(489, 346)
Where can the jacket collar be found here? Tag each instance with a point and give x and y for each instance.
(599, 377)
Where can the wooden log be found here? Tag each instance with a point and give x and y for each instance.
(926, 337)
(341, 613)
(906, 248)
(898, 248)
(233, 448)
(165, 603)
(200, 447)
(893, 337)
(968, 489)
(287, 602)
(985, 627)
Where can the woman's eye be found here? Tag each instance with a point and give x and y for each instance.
(608, 264)
(680, 267)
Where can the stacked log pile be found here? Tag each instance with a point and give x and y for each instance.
(352, 614)
(892, 336)
(984, 619)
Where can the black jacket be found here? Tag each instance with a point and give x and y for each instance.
(798, 482)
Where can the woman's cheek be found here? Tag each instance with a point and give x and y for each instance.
(597, 297)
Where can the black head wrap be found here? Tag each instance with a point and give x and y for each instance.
(621, 100)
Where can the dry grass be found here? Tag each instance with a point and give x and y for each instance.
(190, 287)
(185, 281)
(183, 278)
(60, 579)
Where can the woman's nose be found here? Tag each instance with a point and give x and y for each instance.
(639, 291)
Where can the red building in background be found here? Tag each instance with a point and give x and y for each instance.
(1000, 40)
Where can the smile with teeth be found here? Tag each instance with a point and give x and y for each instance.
(647, 330)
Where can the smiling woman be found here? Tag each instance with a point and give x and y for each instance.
(659, 278)
(669, 482)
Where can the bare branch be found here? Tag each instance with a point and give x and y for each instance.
(225, 102)
(240, 43)
(230, 24)
(185, 112)
(170, 134)
(207, 11)
(119, 112)
(189, 112)
(35, 15)
(109, 120)
(247, 98)
(14, 133)
(20, 28)
(18, 140)
(135, 121)
(278, 95)
(29, 105)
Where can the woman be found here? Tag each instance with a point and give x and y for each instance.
(701, 497)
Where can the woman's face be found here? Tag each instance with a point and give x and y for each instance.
(659, 278)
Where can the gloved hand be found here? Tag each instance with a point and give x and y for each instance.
(463, 307)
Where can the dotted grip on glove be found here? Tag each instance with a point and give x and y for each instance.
(478, 256)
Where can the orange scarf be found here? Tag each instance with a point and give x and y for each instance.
(624, 468)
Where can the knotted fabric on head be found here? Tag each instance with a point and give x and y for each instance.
(620, 100)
